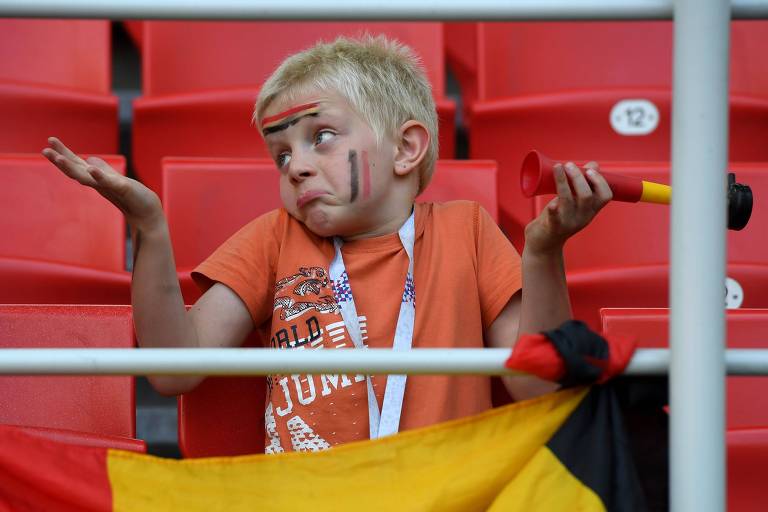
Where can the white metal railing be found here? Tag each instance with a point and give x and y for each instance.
(697, 259)
(258, 361)
(356, 10)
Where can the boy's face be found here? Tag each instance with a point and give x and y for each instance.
(333, 176)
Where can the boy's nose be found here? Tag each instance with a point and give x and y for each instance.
(300, 169)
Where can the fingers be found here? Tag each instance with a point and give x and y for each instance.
(97, 163)
(74, 170)
(581, 188)
(600, 186)
(63, 150)
(106, 178)
(590, 186)
(561, 183)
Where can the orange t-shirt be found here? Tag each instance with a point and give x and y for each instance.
(465, 272)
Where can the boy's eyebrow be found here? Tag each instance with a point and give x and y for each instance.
(288, 118)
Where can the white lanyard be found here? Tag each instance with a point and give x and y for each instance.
(388, 422)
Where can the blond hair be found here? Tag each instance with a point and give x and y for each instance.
(383, 81)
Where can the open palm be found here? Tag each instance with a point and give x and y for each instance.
(140, 205)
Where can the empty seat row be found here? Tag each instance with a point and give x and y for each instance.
(64, 243)
(524, 86)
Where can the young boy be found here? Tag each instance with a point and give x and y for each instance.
(350, 258)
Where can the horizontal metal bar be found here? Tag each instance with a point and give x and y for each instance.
(245, 361)
(356, 10)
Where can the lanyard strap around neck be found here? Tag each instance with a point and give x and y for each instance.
(388, 421)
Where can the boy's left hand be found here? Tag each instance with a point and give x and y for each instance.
(574, 207)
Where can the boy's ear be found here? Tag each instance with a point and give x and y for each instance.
(412, 145)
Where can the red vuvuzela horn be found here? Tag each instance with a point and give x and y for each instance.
(536, 178)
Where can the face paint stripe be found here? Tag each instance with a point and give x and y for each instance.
(289, 112)
(292, 121)
(353, 175)
(366, 176)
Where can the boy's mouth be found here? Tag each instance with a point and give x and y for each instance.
(308, 196)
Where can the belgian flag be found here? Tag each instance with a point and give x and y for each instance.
(563, 451)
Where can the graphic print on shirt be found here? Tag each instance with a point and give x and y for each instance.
(296, 402)
(308, 281)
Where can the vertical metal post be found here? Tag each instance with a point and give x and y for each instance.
(697, 327)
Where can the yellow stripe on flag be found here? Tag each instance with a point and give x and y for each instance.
(545, 484)
(460, 466)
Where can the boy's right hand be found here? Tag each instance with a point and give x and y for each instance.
(141, 206)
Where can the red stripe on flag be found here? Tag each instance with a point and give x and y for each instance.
(40, 474)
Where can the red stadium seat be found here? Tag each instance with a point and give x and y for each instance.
(91, 410)
(747, 397)
(464, 179)
(207, 200)
(592, 55)
(49, 217)
(27, 281)
(747, 460)
(55, 79)
(200, 81)
(622, 258)
(545, 86)
(224, 416)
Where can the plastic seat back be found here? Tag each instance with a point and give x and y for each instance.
(47, 216)
(27, 281)
(65, 53)
(224, 416)
(464, 179)
(207, 200)
(747, 460)
(522, 58)
(183, 56)
(56, 79)
(89, 404)
(747, 397)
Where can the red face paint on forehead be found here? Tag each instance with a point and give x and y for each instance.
(308, 108)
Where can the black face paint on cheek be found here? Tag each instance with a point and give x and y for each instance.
(354, 178)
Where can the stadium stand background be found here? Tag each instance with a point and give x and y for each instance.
(157, 416)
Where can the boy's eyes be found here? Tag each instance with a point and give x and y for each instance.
(320, 137)
(323, 136)
(282, 159)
